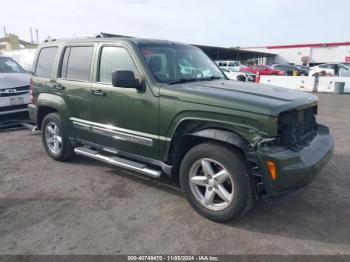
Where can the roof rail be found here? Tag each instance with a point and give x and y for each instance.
(100, 35)
(70, 37)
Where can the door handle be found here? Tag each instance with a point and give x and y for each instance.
(98, 92)
(59, 87)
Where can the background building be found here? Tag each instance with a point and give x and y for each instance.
(12, 42)
(308, 54)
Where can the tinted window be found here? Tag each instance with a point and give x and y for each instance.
(45, 62)
(114, 58)
(76, 63)
(233, 64)
(323, 66)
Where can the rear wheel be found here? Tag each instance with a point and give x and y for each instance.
(55, 139)
(215, 180)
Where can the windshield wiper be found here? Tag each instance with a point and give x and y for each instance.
(185, 80)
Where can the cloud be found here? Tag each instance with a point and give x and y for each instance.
(223, 23)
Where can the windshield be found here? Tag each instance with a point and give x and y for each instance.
(175, 63)
(347, 66)
(8, 65)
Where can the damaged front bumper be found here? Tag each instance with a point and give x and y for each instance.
(295, 168)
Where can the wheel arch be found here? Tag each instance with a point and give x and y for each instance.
(181, 144)
(50, 103)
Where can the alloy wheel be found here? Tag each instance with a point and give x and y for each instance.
(53, 138)
(211, 184)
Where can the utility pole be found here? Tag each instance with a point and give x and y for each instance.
(37, 35)
(4, 31)
(31, 36)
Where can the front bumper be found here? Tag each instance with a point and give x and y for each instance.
(296, 168)
(32, 112)
(14, 104)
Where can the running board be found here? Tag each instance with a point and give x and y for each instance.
(117, 161)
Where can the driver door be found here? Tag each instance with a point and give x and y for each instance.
(124, 119)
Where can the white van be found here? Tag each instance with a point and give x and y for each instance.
(234, 65)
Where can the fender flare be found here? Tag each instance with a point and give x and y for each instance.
(52, 101)
(225, 136)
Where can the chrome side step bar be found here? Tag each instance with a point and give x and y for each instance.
(117, 161)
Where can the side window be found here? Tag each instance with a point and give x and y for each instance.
(76, 63)
(114, 58)
(46, 59)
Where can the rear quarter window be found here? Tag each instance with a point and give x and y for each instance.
(45, 62)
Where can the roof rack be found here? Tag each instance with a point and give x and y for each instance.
(112, 35)
(100, 35)
(70, 37)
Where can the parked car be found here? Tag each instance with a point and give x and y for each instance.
(126, 102)
(237, 75)
(290, 70)
(304, 67)
(14, 87)
(263, 70)
(230, 64)
(332, 69)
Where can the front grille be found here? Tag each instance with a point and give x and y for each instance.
(10, 108)
(296, 126)
(14, 91)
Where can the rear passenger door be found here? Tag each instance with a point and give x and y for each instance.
(74, 85)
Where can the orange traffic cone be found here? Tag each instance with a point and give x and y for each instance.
(257, 77)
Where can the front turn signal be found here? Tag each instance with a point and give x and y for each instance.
(272, 169)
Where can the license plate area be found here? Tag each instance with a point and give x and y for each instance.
(15, 101)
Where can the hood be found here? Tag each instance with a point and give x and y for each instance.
(243, 96)
(8, 80)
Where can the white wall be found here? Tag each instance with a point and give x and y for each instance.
(301, 83)
(306, 83)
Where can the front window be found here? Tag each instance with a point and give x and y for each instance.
(114, 58)
(174, 63)
(8, 65)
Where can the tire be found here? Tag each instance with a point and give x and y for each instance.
(241, 78)
(238, 181)
(55, 138)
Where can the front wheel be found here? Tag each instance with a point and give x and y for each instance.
(216, 181)
(241, 78)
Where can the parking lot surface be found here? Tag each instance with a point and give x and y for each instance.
(88, 207)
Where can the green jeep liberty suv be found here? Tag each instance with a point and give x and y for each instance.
(160, 107)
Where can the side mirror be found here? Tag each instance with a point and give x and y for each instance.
(125, 78)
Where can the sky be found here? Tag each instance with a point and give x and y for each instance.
(220, 23)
